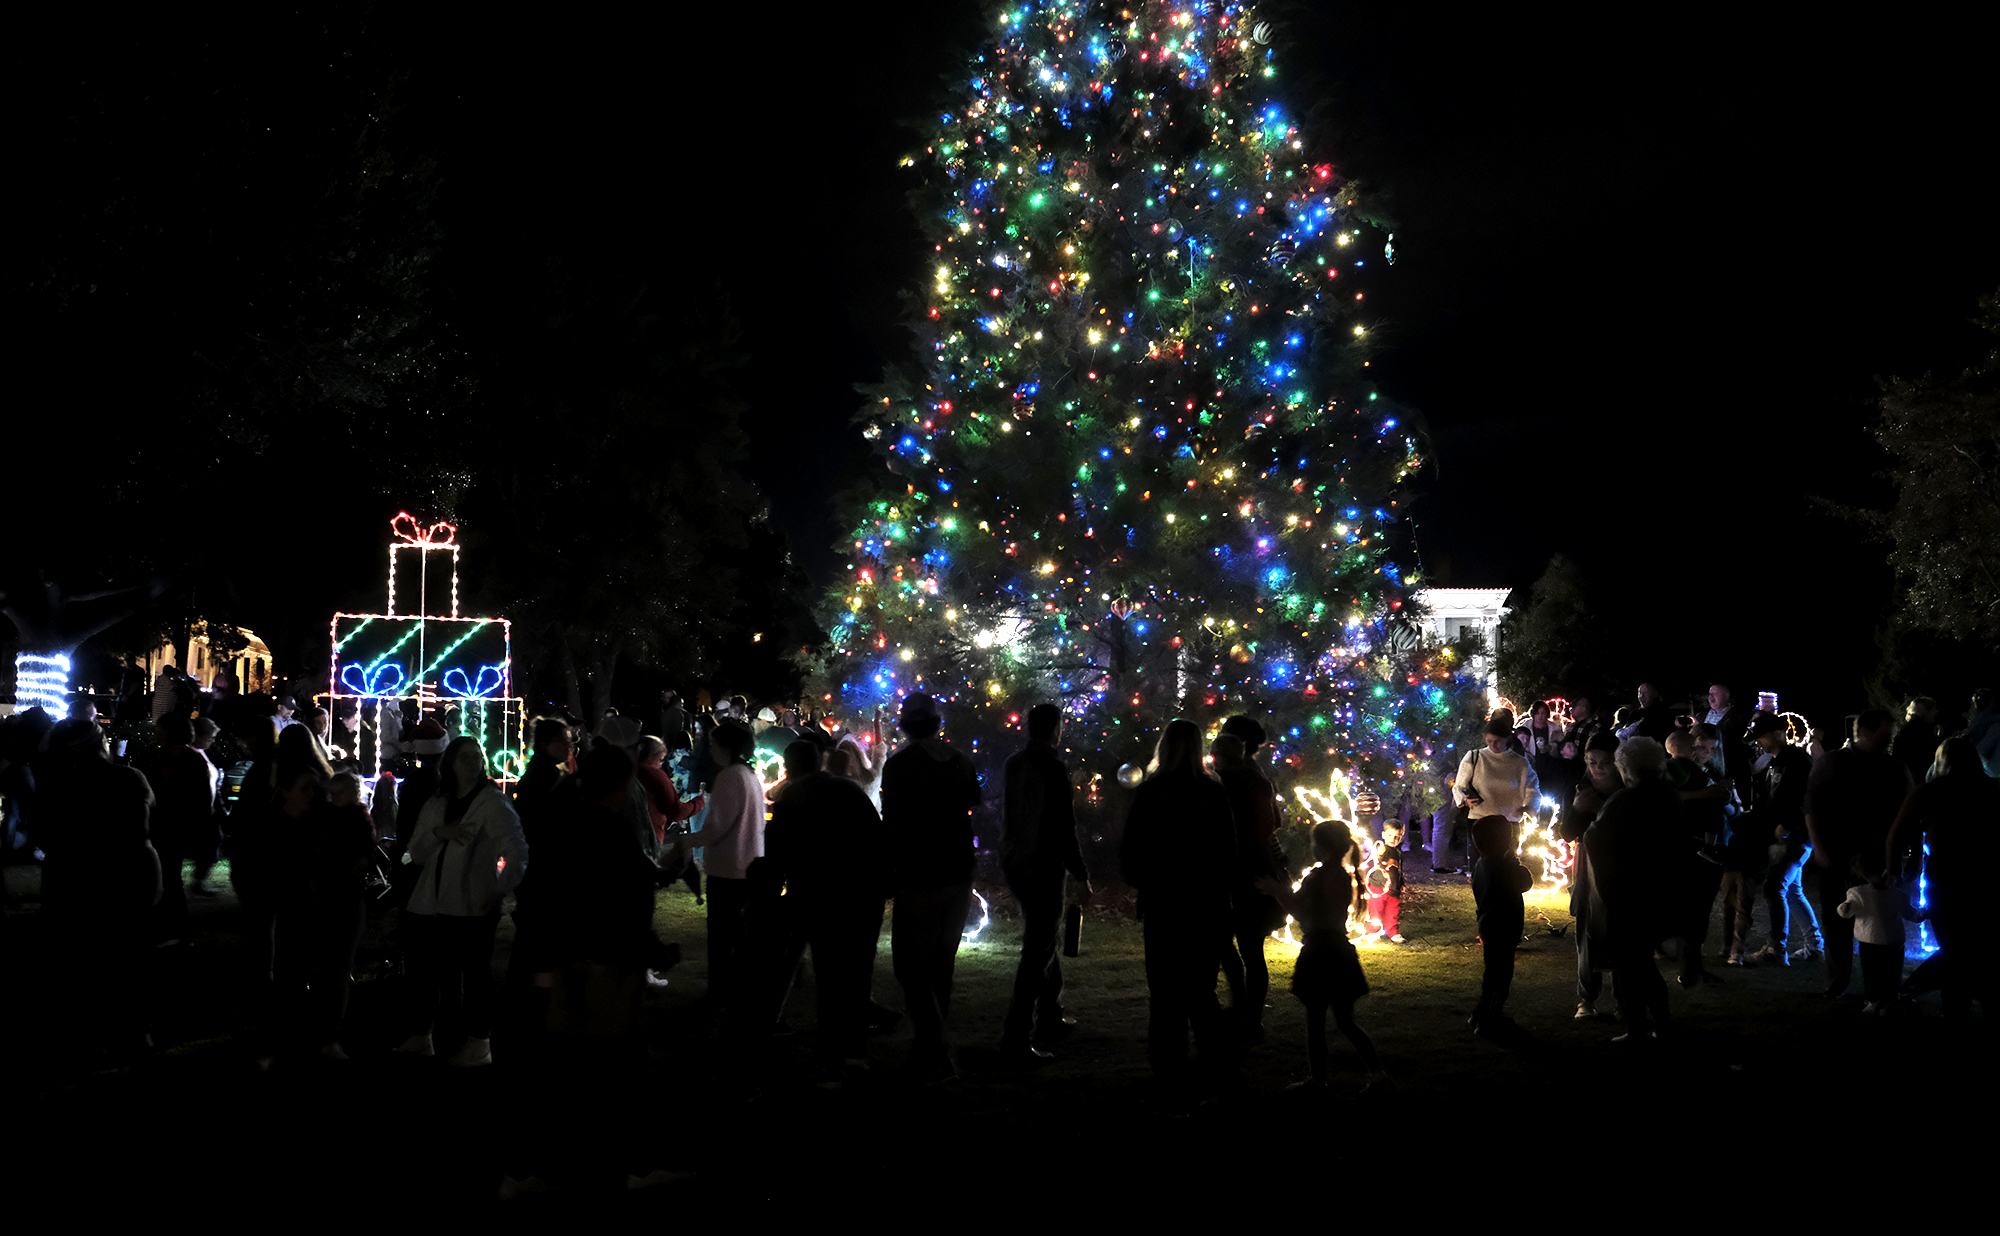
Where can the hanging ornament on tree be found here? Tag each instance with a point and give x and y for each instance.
(1115, 50)
(1283, 252)
(1130, 775)
(1262, 33)
(1389, 250)
(1123, 606)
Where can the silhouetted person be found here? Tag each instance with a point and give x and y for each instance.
(183, 802)
(1179, 840)
(1327, 978)
(1952, 815)
(1254, 915)
(1600, 781)
(832, 904)
(929, 792)
(594, 882)
(539, 801)
(1038, 848)
(1853, 799)
(100, 882)
(256, 864)
(203, 841)
(1703, 797)
(1637, 871)
(331, 841)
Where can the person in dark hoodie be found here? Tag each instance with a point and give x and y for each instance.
(100, 882)
(1179, 840)
(184, 799)
(540, 801)
(1636, 869)
(256, 857)
(1038, 848)
(594, 882)
(929, 792)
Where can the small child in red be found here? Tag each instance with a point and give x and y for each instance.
(1385, 885)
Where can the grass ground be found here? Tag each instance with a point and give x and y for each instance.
(1764, 1043)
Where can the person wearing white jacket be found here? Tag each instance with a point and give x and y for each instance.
(473, 852)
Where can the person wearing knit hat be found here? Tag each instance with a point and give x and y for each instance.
(424, 742)
(619, 731)
(427, 739)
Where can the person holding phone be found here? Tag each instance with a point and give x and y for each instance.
(1499, 785)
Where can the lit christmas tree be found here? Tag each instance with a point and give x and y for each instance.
(1142, 471)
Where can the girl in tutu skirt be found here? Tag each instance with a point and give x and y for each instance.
(1327, 976)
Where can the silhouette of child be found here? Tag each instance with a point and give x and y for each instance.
(1327, 977)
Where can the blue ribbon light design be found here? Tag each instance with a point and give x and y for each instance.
(487, 682)
(375, 682)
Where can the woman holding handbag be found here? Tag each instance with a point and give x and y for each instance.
(472, 852)
(1496, 786)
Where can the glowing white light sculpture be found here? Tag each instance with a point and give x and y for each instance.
(42, 680)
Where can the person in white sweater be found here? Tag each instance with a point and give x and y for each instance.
(731, 839)
(1878, 909)
(1500, 786)
(473, 853)
(1495, 780)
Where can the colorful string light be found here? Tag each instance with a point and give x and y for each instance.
(477, 680)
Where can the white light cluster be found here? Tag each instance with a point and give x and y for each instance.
(44, 681)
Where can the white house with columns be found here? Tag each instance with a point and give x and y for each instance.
(1451, 612)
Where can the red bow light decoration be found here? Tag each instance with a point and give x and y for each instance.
(439, 535)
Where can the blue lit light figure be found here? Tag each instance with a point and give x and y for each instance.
(1926, 942)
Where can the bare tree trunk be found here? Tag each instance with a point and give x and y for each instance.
(43, 621)
(563, 650)
(604, 664)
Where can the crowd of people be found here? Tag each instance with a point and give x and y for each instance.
(1662, 812)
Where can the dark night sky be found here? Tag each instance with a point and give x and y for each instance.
(1647, 277)
(1648, 267)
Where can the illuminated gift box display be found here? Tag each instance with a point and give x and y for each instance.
(440, 660)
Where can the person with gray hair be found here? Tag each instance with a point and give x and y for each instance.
(1915, 744)
(1633, 866)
